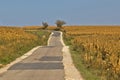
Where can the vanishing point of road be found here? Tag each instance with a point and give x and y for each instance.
(44, 64)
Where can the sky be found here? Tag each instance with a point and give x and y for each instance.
(73, 12)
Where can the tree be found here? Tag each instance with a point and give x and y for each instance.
(60, 23)
(45, 25)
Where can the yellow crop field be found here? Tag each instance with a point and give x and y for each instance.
(38, 27)
(15, 42)
(98, 47)
(32, 27)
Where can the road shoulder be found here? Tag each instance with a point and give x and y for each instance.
(71, 73)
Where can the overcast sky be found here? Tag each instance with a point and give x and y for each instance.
(74, 12)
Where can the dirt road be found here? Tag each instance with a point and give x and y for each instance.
(44, 64)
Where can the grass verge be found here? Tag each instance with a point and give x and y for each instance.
(16, 42)
(85, 72)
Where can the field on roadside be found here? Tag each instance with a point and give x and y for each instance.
(38, 28)
(97, 48)
(15, 41)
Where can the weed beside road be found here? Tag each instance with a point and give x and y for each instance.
(14, 42)
(95, 50)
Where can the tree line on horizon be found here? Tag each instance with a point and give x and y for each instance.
(59, 24)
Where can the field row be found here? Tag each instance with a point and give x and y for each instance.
(14, 42)
(98, 48)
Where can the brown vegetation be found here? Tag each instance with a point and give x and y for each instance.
(98, 47)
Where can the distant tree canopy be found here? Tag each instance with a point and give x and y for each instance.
(60, 23)
(45, 25)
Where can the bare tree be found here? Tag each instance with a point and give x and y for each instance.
(45, 25)
(60, 23)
